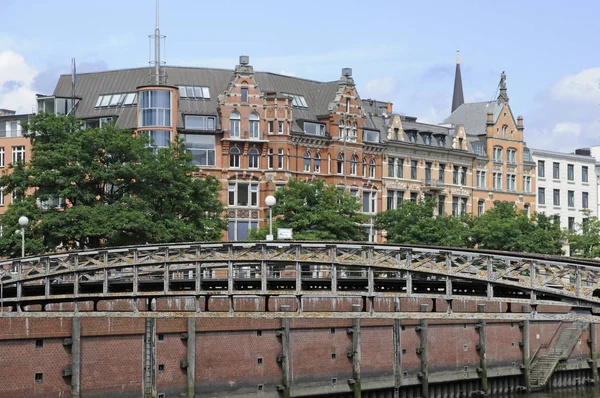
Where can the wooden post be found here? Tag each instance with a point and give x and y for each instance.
(355, 382)
(481, 329)
(397, 346)
(423, 353)
(593, 352)
(285, 357)
(76, 357)
(191, 358)
(526, 353)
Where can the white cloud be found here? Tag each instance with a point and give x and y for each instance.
(581, 88)
(381, 88)
(567, 128)
(16, 78)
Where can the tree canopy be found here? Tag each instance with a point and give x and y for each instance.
(584, 241)
(88, 187)
(316, 211)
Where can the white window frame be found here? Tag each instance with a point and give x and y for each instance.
(2, 163)
(253, 158)
(353, 161)
(234, 157)
(253, 194)
(234, 125)
(317, 163)
(18, 154)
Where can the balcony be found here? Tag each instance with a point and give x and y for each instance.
(433, 184)
(247, 136)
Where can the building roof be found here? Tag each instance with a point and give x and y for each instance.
(457, 96)
(544, 154)
(473, 116)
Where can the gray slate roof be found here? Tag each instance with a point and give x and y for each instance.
(474, 116)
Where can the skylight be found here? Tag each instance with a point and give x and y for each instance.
(297, 100)
(194, 92)
(111, 100)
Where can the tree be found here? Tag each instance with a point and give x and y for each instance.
(115, 190)
(415, 223)
(504, 227)
(584, 241)
(316, 211)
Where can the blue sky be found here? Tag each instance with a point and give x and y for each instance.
(400, 51)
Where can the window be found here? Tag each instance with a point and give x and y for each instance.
(527, 209)
(244, 94)
(541, 171)
(347, 105)
(428, 171)
(306, 161)
(364, 167)
(39, 377)
(571, 223)
(155, 108)
(39, 343)
(353, 161)
(526, 155)
(243, 194)
(571, 198)
(161, 337)
(459, 206)
(541, 196)
(270, 158)
(270, 126)
(480, 205)
(584, 200)
(125, 99)
(391, 167)
(1, 156)
(414, 196)
(463, 176)
(556, 197)
(555, 170)
(497, 180)
(412, 137)
(254, 125)
(455, 175)
(157, 138)
(298, 101)
(239, 230)
(234, 157)
(497, 154)
(413, 169)
(372, 168)
(370, 135)
(317, 164)
(441, 141)
(442, 168)
(527, 184)
(369, 202)
(234, 125)
(194, 92)
(353, 134)
(511, 182)
(570, 172)
(340, 164)
(195, 122)
(427, 139)
(478, 149)
(202, 148)
(314, 128)
(280, 127)
(441, 204)
(511, 156)
(400, 168)
(394, 199)
(1, 196)
(396, 133)
(584, 171)
(341, 129)
(253, 158)
(18, 154)
(480, 179)
(280, 158)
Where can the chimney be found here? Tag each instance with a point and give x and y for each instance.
(347, 72)
(244, 65)
(490, 117)
(520, 122)
(244, 60)
(583, 151)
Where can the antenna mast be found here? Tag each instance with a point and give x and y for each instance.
(157, 75)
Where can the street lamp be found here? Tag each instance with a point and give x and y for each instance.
(23, 221)
(270, 201)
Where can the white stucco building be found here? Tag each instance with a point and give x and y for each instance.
(566, 185)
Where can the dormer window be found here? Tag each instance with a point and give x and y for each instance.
(370, 135)
(412, 137)
(441, 140)
(427, 139)
(478, 149)
(298, 101)
(314, 128)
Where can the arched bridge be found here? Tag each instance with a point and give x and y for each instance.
(300, 279)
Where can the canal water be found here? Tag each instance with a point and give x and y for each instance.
(581, 392)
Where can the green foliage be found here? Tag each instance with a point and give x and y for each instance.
(117, 190)
(584, 241)
(414, 223)
(504, 227)
(315, 211)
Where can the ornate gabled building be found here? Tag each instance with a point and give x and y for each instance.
(503, 168)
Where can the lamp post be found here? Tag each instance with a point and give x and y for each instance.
(23, 221)
(270, 201)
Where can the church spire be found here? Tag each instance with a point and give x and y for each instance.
(457, 98)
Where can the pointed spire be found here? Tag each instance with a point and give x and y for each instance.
(503, 96)
(457, 97)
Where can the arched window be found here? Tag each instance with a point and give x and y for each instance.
(253, 158)
(364, 167)
(497, 154)
(353, 161)
(348, 134)
(254, 125)
(234, 157)
(317, 163)
(372, 168)
(307, 161)
(341, 129)
(354, 132)
(340, 164)
(234, 125)
(504, 128)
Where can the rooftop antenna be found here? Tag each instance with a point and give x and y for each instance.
(157, 75)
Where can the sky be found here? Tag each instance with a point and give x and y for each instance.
(401, 51)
